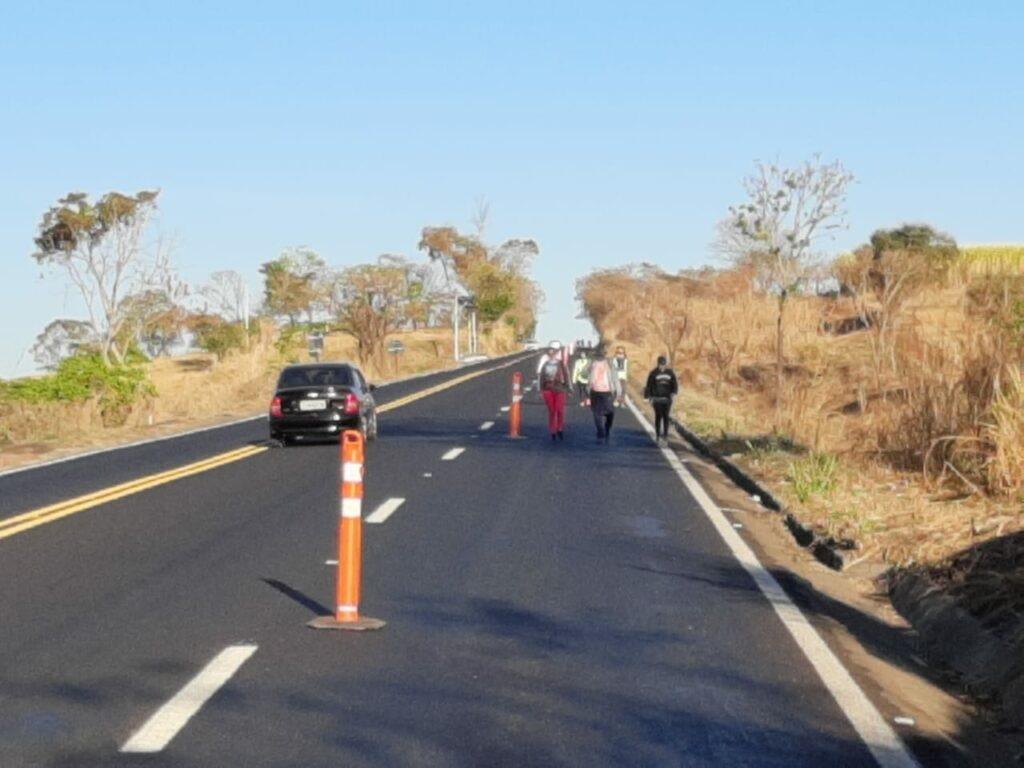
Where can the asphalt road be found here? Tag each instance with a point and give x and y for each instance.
(546, 604)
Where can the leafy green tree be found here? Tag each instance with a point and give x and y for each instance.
(294, 284)
(155, 321)
(496, 278)
(216, 335)
(372, 304)
(914, 237)
(61, 339)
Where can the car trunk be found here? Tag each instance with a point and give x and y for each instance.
(314, 403)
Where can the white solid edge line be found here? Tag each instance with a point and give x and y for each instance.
(384, 511)
(236, 422)
(486, 425)
(879, 738)
(453, 454)
(157, 732)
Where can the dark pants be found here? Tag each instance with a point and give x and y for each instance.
(662, 407)
(581, 391)
(602, 405)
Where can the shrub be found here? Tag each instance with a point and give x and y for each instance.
(813, 475)
(219, 337)
(81, 377)
(292, 339)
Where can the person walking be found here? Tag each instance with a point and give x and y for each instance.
(604, 388)
(579, 377)
(553, 377)
(621, 364)
(661, 387)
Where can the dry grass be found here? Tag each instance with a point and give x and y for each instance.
(197, 389)
(923, 406)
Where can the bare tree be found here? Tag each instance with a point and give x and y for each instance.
(481, 216)
(666, 310)
(101, 248)
(227, 295)
(516, 255)
(774, 231)
(723, 352)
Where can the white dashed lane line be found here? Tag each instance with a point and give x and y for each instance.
(384, 511)
(504, 409)
(157, 732)
(486, 425)
(453, 454)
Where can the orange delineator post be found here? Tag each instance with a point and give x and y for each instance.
(350, 540)
(515, 416)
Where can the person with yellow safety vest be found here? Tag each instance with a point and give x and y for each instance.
(579, 377)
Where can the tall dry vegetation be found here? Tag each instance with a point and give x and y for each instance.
(902, 365)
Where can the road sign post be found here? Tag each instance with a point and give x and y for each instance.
(316, 345)
(350, 541)
(395, 348)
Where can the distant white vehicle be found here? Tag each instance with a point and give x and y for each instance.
(470, 359)
(531, 345)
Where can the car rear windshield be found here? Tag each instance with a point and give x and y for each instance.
(326, 376)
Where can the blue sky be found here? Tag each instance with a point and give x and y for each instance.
(610, 132)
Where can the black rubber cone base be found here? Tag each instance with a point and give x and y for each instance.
(360, 625)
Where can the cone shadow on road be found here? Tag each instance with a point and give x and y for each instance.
(301, 598)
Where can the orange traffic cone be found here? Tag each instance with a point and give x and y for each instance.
(515, 415)
(350, 541)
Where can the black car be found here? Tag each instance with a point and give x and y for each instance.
(320, 400)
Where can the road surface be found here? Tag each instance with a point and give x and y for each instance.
(546, 604)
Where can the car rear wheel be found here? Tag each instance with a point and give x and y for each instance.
(368, 425)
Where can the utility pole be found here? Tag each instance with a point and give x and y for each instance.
(455, 319)
(245, 306)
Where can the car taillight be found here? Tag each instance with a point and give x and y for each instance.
(351, 404)
(275, 407)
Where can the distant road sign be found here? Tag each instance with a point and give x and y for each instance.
(396, 347)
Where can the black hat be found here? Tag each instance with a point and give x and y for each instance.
(662, 360)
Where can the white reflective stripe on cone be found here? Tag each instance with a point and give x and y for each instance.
(351, 507)
(352, 472)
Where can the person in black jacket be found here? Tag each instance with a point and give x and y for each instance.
(661, 387)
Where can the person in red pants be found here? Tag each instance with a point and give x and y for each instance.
(554, 387)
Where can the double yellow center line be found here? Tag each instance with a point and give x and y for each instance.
(27, 520)
(398, 403)
(43, 515)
